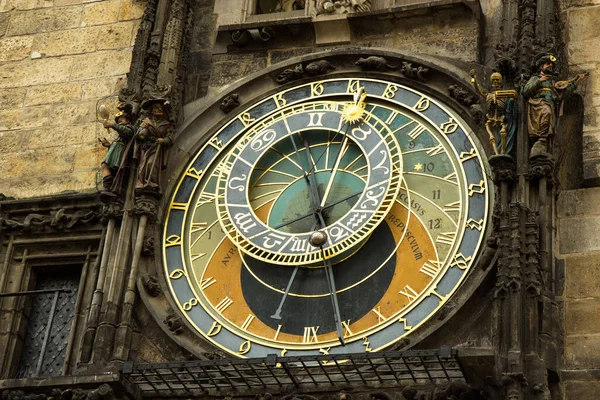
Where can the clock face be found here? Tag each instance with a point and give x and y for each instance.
(319, 221)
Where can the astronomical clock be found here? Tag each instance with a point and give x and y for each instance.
(334, 216)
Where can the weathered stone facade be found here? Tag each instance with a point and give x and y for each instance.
(57, 60)
(60, 58)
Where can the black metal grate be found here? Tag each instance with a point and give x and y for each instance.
(278, 374)
(44, 346)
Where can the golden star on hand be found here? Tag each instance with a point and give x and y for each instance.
(418, 166)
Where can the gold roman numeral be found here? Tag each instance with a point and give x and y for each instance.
(431, 268)
(380, 317)
(248, 321)
(409, 292)
(346, 326)
(310, 334)
(223, 304)
(434, 151)
(446, 238)
(207, 282)
(416, 132)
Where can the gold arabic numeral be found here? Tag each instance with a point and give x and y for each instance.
(405, 324)
(246, 119)
(390, 91)
(247, 322)
(449, 126)
(172, 240)
(194, 173)
(216, 143)
(353, 86)
(476, 188)
(467, 155)
(431, 268)
(316, 89)
(279, 100)
(199, 226)
(473, 224)
(416, 132)
(205, 283)
(380, 316)
(422, 104)
(434, 151)
(283, 351)
(460, 261)
(391, 118)
(214, 329)
(223, 304)
(277, 332)
(176, 274)
(346, 327)
(452, 207)
(446, 238)
(409, 293)
(245, 347)
(367, 344)
(187, 306)
(197, 256)
(179, 206)
(316, 119)
(310, 334)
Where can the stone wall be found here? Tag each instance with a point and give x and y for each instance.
(578, 212)
(581, 21)
(57, 59)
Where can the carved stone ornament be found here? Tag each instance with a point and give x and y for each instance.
(374, 63)
(503, 167)
(146, 204)
(541, 166)
(342, 6)
(111, 210)
(58, 220)
(174, 324)
(230, 102)
(468, 100)
(244, 36)
(319, 67)
(290, 74)
(148, 246)
(411, 71)
(151, 285)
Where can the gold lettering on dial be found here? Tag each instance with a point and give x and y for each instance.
(449, 126)
(434, 151)
(245, 347)
(446, 238)
(207, 282)
(467, 155)
(353, 86)
(476, 188)
(409, 293)
(422, 104)
(431, 268)
(279, 100)
(199, 226)
(316, 119)
(391, 118)
(187, 306)
(172, 240)
(346, 326)
(416, 132)
(460, 261)
(390, 91)
(316, 89)
(310, 334)
(194, 173)
(179, 206)
(380, 317)
(176, 274)
(197, 256)
(473, 224)
(367, 344)
(223, 304)
(214, 329)
(452, 207)
(325, 352)
(277, 333)
(248, 321)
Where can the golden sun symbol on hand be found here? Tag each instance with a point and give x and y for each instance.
(353, 112)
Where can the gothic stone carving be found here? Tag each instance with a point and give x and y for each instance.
(342, 6)
(417, 72)
(230, 102)
(174, 324)
(58, 219)
(151, 285)
(374, 63)
(315, 68)
(103, 392)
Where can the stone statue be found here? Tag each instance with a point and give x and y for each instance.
(544, 93)
(290, 5)
(342, 6)
(116, 151)
(152, 141)
(501, 113)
